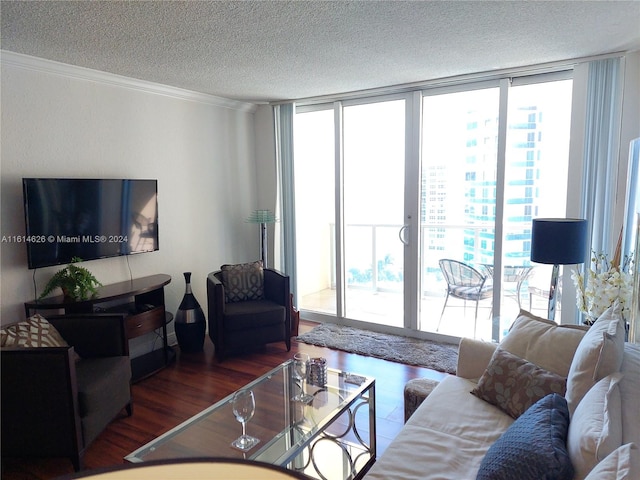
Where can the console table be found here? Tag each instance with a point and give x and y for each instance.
(141, 299)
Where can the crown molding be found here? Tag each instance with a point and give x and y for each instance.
(29, 62)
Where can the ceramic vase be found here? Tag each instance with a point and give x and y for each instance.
(190, 321)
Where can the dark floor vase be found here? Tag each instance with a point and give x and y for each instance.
(190, 322)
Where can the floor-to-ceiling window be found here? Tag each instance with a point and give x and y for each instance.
(315, 210)
(373, 199)
(480, 194)
(485, 159)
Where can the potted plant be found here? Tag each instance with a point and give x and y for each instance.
(77, 283)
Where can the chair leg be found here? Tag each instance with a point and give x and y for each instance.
(442, 313)
(287, 342)
(475, 319)
(77, 461)
(129, 408)
(530, 300)
(219, 354)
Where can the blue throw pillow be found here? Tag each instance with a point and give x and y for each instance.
(533, 447)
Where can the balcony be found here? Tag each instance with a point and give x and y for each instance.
(375, 279)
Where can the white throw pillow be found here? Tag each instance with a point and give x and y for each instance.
(595, 430)
(630, 393)
(622, 464)
(543, 342)
(599, 354)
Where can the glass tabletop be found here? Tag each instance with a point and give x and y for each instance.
(283, 425)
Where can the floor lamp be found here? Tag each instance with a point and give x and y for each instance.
(262, 217)
(558, 241)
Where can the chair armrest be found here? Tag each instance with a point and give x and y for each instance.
(94, 334)
(473, 358)
(276, 289)
(39, 394)
(215, 295)
(276, 286)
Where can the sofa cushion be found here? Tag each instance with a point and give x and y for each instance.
(622, 464)
(513, 384)
(543, 342)
(243, 282)
(445, 438)
(34, 332)
(103, 390)
(534, 447)
(599, 354)
(596, 425)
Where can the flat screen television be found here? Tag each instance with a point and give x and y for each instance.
(88, 218)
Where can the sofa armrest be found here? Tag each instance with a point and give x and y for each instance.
(94, 334)
(40, 412)
(473, 358)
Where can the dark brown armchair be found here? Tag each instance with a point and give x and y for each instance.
(239, 325)
(55, 404)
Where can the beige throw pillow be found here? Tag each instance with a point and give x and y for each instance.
(599, 354)
(34, 332)
(513, 384)
(622, 464)
(543, 342)
(595, 429)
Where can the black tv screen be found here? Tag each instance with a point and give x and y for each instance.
(88, 218)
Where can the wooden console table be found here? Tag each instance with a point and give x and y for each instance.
(141, 299)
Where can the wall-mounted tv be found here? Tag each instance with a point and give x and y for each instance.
(88, 218)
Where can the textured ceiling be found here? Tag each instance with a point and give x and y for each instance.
(276, 50)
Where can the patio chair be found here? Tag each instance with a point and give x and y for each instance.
(466, 283)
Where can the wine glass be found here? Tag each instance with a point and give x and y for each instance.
(300, 366)
(244, 406)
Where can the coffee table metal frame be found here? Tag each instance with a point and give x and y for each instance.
(324, 439)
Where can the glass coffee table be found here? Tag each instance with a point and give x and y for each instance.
(333, 436)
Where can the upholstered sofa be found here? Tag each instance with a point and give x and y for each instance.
(64, 379)
(549, 402)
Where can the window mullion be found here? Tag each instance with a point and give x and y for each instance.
(339, 207)
(500, 194)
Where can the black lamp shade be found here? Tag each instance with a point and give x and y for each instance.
(559, 241)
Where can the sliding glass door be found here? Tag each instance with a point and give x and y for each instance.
(373, 200)
(350, 253)
(458, 206)
(387, 188)
(485, 176)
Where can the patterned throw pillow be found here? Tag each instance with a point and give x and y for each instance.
(34, 332)
(243, 282)
(533, 447)
(513, 384)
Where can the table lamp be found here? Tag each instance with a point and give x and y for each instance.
(558, 241)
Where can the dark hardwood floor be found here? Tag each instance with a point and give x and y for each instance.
(195, 381)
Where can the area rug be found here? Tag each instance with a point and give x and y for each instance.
(424, 353)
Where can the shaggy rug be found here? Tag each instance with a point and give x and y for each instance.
(413, 351)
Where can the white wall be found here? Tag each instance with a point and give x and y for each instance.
(59, 123)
